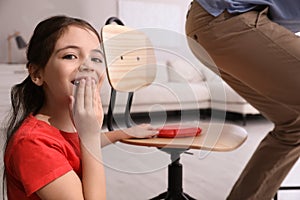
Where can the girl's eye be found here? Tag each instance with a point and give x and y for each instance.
(96, 60)
(69, 57)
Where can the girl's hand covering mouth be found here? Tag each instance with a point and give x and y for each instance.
(77, 80)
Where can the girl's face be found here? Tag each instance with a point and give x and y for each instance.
(76, 55)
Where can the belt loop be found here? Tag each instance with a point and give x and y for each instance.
(259, 15)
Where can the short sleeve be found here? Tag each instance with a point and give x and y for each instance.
(38, 160)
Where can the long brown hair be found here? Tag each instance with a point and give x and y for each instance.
(27, 97)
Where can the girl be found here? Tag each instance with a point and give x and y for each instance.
(45, 158)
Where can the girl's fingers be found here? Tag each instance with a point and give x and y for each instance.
(94, 96)
(88, 96)
(71, 108)
(71, 104)
(79, 98)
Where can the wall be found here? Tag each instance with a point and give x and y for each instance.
(164, 14)
(162, 20)
(23, 16)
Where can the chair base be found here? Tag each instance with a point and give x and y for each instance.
(175, 191)
(173, 196)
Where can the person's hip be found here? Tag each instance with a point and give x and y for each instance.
(198, 19)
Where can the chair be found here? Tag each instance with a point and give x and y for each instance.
(131, 65)
(286, 188)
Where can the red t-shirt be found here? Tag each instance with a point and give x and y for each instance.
(37, 154)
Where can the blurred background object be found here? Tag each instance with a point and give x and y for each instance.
(20, 43)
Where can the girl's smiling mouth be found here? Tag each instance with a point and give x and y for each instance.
(76, 81)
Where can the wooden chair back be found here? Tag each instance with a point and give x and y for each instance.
(130, 57)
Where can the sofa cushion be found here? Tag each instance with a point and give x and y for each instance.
(161, 73)
(180, 70)
(172, 92)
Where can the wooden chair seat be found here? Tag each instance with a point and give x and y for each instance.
(214, 137)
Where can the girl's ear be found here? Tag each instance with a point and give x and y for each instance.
(36, 74)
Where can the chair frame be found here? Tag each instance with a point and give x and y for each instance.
(229, 138)
(175, 190)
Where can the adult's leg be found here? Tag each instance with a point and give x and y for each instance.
(260, 60)
(277, 152)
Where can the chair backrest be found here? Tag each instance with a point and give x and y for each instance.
(130, 58)
(130, 63)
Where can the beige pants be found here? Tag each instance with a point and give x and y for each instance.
(261, 61)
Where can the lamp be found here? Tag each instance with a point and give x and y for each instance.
(20, 43)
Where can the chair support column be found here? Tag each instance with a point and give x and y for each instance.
(175, 177)
(175, 191)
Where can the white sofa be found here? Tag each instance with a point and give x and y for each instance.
(179, 86)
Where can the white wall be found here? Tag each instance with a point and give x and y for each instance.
(163, 14)
(23, 16)
(163, 21)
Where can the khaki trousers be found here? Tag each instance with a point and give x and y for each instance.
(261, 61)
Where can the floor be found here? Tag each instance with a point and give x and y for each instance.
(139, 173)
